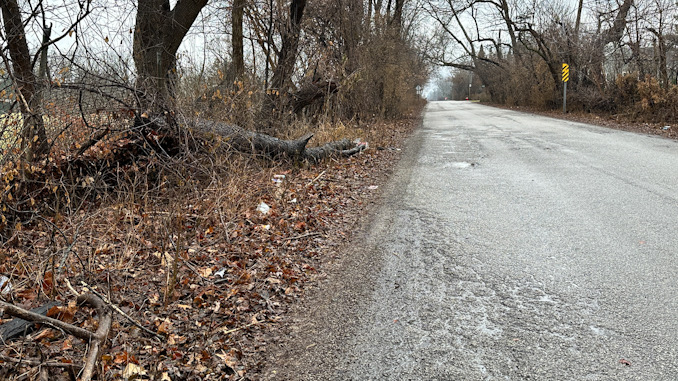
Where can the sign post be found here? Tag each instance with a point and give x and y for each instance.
(566, 77)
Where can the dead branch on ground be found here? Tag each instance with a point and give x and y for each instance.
(94, 339)
(258, 143)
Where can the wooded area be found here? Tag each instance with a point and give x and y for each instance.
(344, 51)
(623, 55)
(321, 62)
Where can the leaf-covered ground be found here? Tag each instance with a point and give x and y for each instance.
(208, 269)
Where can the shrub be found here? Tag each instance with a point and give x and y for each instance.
(657, 103)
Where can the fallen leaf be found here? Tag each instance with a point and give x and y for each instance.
(166, 258)
(226, 358)
(28, 294)
(44, 334)
(133, 371)
(625, 362)
(205, 272)
(64, 313)
(67, 344)
(165, 326)
(124, 357)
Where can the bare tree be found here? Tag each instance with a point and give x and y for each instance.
(158, 33)
(287, 55)
(34, 137)
(662, 22)
(237, 37)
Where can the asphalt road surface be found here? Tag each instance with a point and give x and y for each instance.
(508, 246)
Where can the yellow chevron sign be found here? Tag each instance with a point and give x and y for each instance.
(566, 72)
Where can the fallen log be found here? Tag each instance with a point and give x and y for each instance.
(94, 339)
(259, 143)
(19, 327)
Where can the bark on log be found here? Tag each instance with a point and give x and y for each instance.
(21, 313)
(258, 143)
(18, 327)
(94, 339)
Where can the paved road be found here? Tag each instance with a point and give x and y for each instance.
(509, 247)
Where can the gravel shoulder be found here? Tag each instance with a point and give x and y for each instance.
(310, 335)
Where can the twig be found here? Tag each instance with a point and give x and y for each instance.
(93, 140)
(78, 332)
(44, 374)
(105, 320)
(194, 216)
(18, 327)
(311, 234)
(35, 362)
(94, 339)
(64, 256)
(121, 312)
(316, 179)
(239, 328)
(70, 287)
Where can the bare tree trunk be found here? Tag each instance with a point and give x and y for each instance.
(237, 37)
(506, 15)
(282, 74)
(398, 15)
(368, 20)
(159, 32)
(662, 12)
(43, 72)
(34, 136)
(155, 63)
(351, 28)
(661, 57)
(262, 144)
(378, 17)
(578, 21)
(611, 35)
(616, 31)
(287, 56)
(269, 42)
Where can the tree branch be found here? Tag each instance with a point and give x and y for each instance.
(183, 16)
(95, 339)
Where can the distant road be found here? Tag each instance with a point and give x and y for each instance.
(509, 246)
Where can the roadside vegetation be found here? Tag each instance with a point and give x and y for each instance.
(167, 211)
(622, 56)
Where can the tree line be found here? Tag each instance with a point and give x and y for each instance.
(270, 62)
(623, 55)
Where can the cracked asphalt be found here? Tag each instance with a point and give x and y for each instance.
(507, 246)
